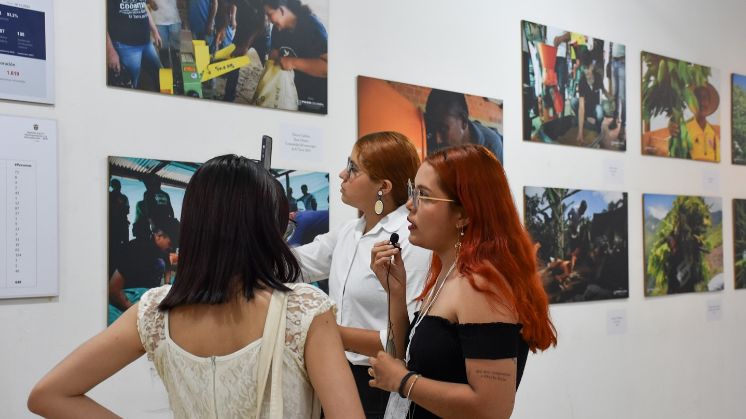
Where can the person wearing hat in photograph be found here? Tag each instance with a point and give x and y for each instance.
(705, 138)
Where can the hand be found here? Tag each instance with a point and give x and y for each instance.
(381, 265)
(112, 60)
(387, 372)
(210, 27)
(157, 39)
(287, 63)
(219, 37)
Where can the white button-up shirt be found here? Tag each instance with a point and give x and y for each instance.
(343, 256)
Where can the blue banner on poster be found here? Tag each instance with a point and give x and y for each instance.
(22, 32)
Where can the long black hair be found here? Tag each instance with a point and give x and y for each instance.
(294, 6)
(232, 223)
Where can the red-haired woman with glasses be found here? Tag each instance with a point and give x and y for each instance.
(483, 306)
(375, 183)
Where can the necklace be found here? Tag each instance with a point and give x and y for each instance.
(435, 293)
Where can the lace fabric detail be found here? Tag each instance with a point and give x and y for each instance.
(305, 302)
(225, 386)
(150, 321)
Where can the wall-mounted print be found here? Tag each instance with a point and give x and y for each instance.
(739, 236)
(683, 244)
(431, 118)
(680, 109)
(268, 53)
(145, 197)
(27, 50)
(738, 118)
(574, 88)
(581, 241)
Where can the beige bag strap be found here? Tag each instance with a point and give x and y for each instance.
(270, 354)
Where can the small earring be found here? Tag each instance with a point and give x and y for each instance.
(460, 237)
(379, 204)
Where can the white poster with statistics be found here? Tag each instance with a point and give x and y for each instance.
(28, 207)
(26, 50)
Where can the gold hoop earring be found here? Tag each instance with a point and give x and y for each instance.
(379, 204)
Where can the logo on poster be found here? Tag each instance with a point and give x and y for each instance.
(35, 135)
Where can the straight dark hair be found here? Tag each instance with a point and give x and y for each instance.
(233, 219)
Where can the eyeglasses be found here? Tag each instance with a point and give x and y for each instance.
(352, 169)
(415, 194)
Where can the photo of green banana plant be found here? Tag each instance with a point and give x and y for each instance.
(680, 109)
(683, 244)
(738, 118)
(739, 238)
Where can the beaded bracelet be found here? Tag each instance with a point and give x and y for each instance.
(404, 382)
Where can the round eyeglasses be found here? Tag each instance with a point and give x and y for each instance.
(415, 194)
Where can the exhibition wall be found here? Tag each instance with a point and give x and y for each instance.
(641, 357)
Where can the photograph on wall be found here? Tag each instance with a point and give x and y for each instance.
(268, 53)
(739, 236)
(738, 118)
(145, 198)
(581, 242)
(680, 109)
(574, 88)
(27, 51)
(683, 244)
(431, 118)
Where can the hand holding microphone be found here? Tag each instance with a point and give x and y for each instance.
(387, 264)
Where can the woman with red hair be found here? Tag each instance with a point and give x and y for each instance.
(483, 306)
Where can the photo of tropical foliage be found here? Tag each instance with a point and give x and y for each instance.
(738, 118)
(683, 244)
(680, 109)
(581, 242)
(739, 235)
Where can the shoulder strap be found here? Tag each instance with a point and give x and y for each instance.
(271, 355)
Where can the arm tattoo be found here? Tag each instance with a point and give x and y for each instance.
(494, 375)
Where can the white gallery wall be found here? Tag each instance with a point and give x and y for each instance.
(671, 362)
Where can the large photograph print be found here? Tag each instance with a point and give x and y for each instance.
(683, 243)
(145, 197)
(581, 242)
(738, 118)
(431, 118)
(739, 235)
(268, 53)
(574, 88)
(680, 109)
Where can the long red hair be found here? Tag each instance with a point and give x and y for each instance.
(495, 244)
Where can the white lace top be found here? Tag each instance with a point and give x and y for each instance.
(225, 386)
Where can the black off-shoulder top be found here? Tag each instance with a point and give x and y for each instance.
(438, 350)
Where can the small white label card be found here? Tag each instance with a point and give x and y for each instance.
(714, 310)
(613, 171)
(616, 322)
(710, 181)
(299, 143)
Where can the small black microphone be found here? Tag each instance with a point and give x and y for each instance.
(390, 347)
(394, 239)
